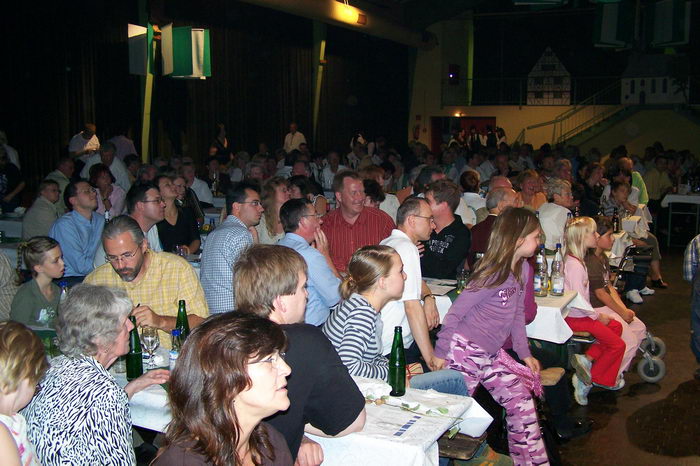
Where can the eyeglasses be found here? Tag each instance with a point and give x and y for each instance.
(157, 200)
(254, 203)
(86, 191)
(313, 215)
(430, 219)
(123, 257)
(272, 359)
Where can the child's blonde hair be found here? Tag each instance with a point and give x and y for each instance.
(22, 356)
(576, 231)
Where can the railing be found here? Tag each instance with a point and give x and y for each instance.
(584, 114)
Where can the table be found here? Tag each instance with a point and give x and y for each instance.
(390, 436)
(11, 225)
(670, 199)
(394, 436)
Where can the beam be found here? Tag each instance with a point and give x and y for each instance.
(319, 63)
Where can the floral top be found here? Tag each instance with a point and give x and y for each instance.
(17, 426)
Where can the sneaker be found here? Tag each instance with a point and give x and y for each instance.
(618, 386)
(582, 366)
(646, 291)
(634, 296)
(580, 391)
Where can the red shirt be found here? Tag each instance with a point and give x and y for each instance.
(372, 226)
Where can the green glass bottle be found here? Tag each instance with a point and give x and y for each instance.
(397, 365)
(134, 358)
(181, 322)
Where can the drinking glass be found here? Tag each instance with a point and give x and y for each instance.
(150, 343)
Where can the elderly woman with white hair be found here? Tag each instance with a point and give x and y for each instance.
(80, 414)
(554, 213)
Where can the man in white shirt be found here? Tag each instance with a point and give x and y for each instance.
(116, 166)
(293, 139)
(200, 187)
(554, 213)
(416, 311)
(85, 143)
(124, 145)
(331, 169)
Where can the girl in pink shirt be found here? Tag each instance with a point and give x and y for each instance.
(486, 314)
(600, 364)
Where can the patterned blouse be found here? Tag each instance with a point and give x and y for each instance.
(80, 416)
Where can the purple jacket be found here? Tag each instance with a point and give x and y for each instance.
(488, 316)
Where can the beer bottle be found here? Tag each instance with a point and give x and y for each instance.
(181, 322)
(134, 358)
(397, 365)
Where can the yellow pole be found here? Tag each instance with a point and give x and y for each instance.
(319, 63)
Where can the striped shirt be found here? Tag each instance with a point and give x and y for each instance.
(352, 330)
(691, 259)
(371, 226)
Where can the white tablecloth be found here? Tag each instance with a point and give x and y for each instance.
(680, 198)
(391, 436)
(11, 226)
(394, 436)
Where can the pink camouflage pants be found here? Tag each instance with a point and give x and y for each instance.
(477, 366)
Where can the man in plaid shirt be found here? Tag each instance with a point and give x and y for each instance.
(691, 261)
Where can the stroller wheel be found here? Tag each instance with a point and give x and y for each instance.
(658, 350)
(651, 370)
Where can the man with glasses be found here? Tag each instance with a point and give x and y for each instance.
(416, 311)
(225, 244)
(154, 281)
(78, 231)
(145, 205)
(302, 226)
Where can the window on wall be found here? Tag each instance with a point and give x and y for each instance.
(664, 86)
(632, 87)
(653, 86)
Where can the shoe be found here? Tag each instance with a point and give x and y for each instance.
(582, 366)
(646, 291)
(580, 391)
(634, 296)
(573, 428)
(618, 386)
(659, 283)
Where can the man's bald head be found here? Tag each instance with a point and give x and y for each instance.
(499, 182)
(500, 198)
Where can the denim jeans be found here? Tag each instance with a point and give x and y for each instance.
(444, 381)
(694, 327)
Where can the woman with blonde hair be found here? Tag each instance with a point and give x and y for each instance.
(22, 364)
(275, 193)
(600, 364)
(529, 184)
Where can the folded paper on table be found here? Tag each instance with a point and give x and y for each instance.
(440, 290)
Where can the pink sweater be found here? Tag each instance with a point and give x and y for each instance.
(576, 279)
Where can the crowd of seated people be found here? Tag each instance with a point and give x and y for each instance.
(322, 256)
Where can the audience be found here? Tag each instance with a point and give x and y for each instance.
(78, 231)
(155, 281)
(115, 165)
(293, 139)
(226, 243)
(11, 183)
(237, 361)
(555, 212)
(44, 211)
(85, 143)
(187, 199)
(62, 175)
(36, 302)
(658, 183)
(23, 365)
(352, 225)
(8, 286)
(199, 187)
(275, 193)
(269, 282)
(497, 200)
(303, 233)
(110, 196)
(81, 415)
(178, 227)
(530, 189)
(416, 310)
(471, 186)
(449, 243)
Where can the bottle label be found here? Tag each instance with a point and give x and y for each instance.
(173, 359)
(538, 284)
(558, 285)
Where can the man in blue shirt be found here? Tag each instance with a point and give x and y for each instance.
(303, 227)
(79, 231)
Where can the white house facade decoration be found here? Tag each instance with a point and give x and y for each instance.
(549, 83)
